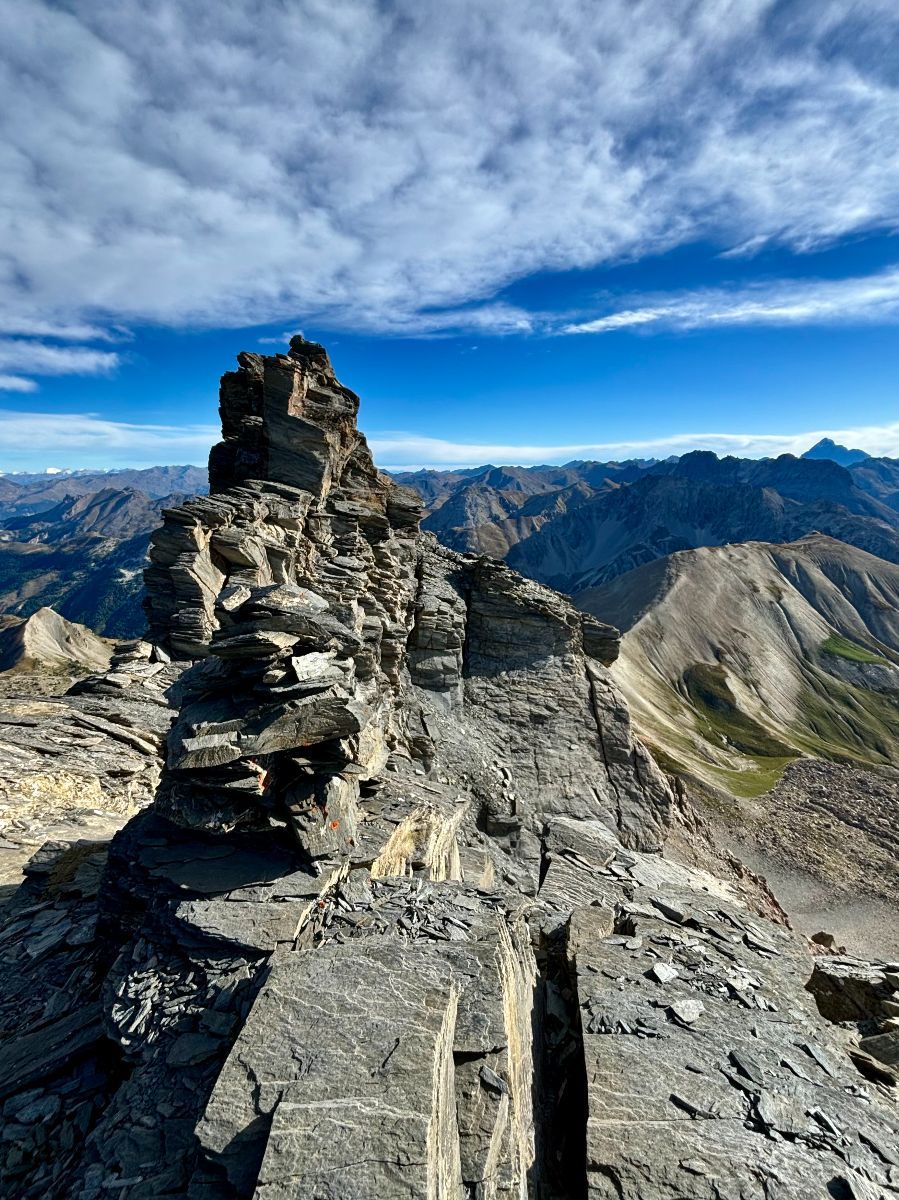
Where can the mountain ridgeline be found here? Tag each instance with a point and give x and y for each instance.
(401, 919)
(78, 542)
(579, 525)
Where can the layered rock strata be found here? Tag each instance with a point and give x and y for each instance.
(78, 766)
(397, 923)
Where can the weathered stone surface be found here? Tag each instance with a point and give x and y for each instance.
(700, 1042)
(398, 923)
(79, 765)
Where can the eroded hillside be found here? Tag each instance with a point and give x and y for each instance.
(740, 660)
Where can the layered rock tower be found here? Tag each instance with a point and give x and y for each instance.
(397, 924)
(332, 635)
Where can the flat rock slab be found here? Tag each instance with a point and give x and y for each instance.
(247, 925)
(381, 1068)
(349, 1049)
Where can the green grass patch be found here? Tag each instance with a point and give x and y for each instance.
(669, 764)
(847, 723)
(721, 722)
(841, 647)
(754, 781)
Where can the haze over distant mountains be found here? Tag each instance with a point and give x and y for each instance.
(77, 540)
(36, 489)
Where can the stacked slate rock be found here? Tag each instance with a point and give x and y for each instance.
(397, 923)
(78, 765)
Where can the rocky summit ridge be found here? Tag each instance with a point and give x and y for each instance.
(398, 923)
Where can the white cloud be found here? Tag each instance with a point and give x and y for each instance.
(30, 439)
(781, 302)
(19, 322)
(15, 383)
(391, 166)
(40, 358)
(409, 451)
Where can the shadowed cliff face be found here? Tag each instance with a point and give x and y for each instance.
(396, 924)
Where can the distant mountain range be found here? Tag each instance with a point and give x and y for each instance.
(490, 509)
(585, 522)
(31, 493)
(701, 500)
(77, 540)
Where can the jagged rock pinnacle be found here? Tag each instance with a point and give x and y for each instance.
(285, 419)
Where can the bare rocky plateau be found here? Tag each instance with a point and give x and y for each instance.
(394, 916)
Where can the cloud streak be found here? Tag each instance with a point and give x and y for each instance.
(392, 167)
(409, 451)
(32, 439)
(15, 383)
(41, 358)
(87, 440)
(873, 298)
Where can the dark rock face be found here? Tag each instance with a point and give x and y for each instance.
(828, 448)
(397, 924)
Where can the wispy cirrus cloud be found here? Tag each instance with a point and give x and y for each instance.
(30, 440)
(489, 319)
(423, 156)
(872, 298)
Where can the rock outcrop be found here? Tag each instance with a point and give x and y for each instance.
(78, 766)
(397, 923)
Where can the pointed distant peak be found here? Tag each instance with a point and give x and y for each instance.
(827, 448)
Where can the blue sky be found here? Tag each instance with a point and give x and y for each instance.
(628, 228)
